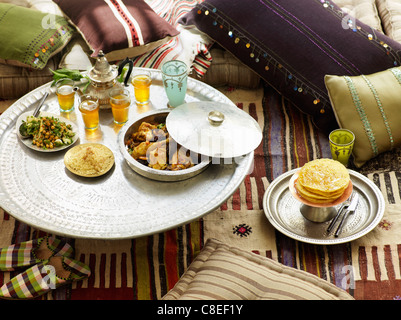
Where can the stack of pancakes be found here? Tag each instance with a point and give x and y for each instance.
(322, 181)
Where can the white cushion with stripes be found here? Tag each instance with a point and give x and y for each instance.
(224, 272)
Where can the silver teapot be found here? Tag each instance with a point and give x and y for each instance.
(103, 78)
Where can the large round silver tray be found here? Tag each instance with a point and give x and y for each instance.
(37, 189)
(282, 210)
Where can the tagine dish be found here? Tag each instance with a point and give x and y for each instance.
(151, 145)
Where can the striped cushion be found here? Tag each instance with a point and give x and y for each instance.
(390, 13)
(369, 106)
(120, 28)
(189, 46)
(224, 272)
(17, 81)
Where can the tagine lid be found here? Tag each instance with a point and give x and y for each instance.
(214, 129)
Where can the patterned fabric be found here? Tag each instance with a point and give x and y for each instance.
(58, 247)
(17, 254)
(190, 46)
(41, 278)
(24, 254)
(32, 43)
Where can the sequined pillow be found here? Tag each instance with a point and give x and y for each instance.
(29, 38)
(368, 105)
(292, 45)
(120, 28)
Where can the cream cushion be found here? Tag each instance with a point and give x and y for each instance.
(390, 12)
(224, 272)
(364, 10)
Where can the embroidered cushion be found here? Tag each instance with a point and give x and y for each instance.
(292, 45)
(223, 272)
(121, 28)
(369, 106)
(33, 42)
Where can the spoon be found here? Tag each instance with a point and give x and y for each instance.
(22, 127)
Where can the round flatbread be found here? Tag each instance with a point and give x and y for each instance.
(89, 160)
(322, 180)
(314, 197)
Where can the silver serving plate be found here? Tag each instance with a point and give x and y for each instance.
(37, 188)
(158, 116)
(283, 212)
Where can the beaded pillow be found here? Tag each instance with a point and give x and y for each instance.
(29, 38)
(369, 106)
(120, 28)
(292, 45)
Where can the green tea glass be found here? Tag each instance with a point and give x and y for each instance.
(175, 75)
(341, 145)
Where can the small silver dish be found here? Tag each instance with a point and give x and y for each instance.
(130, 127)
(318, 214)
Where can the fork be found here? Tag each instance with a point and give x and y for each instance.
(345, 205)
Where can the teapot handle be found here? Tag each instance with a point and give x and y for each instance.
(121, 66)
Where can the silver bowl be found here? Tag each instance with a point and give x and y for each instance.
(160, 175)
(318, 214)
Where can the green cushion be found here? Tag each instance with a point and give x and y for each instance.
(29, 38)
(369, 106)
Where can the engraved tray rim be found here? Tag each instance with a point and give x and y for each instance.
(279, 186)
(214, 186)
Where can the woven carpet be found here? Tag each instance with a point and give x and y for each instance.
(146, 268)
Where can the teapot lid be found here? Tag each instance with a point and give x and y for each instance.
(102, 71)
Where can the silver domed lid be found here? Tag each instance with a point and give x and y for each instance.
(214, 129)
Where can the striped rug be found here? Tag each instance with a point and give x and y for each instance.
(146, 268)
